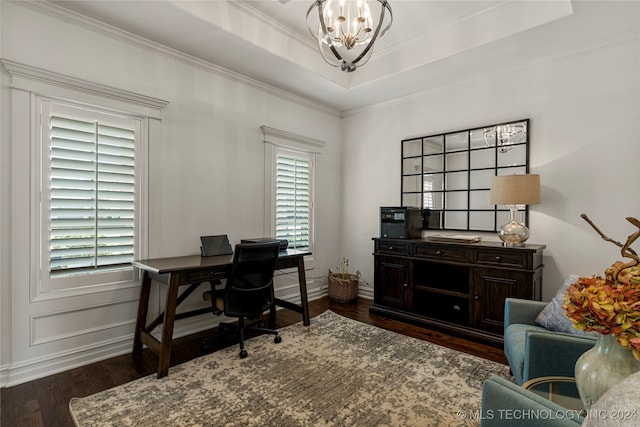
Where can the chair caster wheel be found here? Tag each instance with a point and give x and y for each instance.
(243, 353)
(277, 339)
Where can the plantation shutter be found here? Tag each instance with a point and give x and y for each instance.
(293, 203)
(92, 198)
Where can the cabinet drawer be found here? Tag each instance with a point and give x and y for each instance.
(506, 259)
(399, 248)
(448, 253)
(203, 276)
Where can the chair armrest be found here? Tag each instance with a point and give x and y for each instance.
(553, 353)
(521, 311)
(507, 404)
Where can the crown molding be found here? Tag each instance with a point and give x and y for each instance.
(247, 8)
(65, 15)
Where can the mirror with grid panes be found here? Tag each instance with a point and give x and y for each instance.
(448, 175)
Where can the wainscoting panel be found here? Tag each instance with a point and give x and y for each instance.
(78, 337)
(113, 318)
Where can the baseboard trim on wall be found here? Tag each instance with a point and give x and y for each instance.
(52, 364)
(366, 293)
(11, 375)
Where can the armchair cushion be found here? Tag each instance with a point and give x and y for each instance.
(507, 404)
(553, 317)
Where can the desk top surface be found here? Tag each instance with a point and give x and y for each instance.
(197, 262)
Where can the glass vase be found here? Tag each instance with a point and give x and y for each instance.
(599, 368)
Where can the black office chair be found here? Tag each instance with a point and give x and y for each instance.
(248, 292)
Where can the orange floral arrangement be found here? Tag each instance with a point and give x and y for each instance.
(608, 307)
(627, 308)
(610, 304)
(589, 303)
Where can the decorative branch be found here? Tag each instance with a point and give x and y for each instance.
(626, 251)
(604, 236)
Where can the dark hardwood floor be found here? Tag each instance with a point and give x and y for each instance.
(45, 402)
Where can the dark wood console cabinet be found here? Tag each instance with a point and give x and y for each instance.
(456, 287)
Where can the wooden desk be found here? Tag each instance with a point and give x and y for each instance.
(191, 271)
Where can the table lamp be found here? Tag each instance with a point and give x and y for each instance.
(513, 190)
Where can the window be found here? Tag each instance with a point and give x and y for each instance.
(293, 198)
(289, 186)
(89, 193)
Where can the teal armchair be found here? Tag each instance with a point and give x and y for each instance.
(505, 404)
(533, 351)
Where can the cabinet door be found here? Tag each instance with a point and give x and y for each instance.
(491, 287)
(392, 282)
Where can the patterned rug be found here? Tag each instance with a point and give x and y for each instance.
(336, 372)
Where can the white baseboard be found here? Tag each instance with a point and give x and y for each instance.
(366, 293)
(52, 364)
(30, 370)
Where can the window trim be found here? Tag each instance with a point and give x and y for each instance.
(105, 278)
(26, 84)
(274, 141)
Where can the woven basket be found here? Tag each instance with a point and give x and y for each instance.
(343, 290)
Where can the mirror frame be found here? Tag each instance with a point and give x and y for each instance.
(446, 160)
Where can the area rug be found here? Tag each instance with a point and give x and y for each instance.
(336, 372)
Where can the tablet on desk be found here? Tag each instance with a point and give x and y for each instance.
(215, 245)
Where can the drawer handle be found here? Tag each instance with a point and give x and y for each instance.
(498, 258)
(438, 252)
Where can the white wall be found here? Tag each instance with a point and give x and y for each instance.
(206, 173)
(584, 108)
(207, 164)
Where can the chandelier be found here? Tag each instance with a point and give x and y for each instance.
(505, 136)
(346, 29)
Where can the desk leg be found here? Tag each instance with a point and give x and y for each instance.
(302, 280)
(143, 308)
(167, 326)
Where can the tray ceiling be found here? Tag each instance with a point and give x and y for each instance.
(431, 43)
